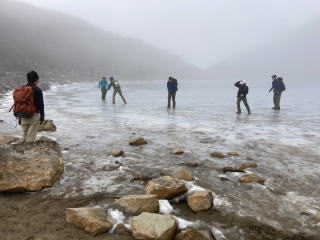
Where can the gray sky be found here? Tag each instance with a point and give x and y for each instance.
(202, 32)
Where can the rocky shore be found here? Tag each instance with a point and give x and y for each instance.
(161, 212)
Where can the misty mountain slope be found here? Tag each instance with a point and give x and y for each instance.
(33, 37)
(296, 57)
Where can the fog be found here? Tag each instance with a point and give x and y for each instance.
(202, 32)
(152, 39)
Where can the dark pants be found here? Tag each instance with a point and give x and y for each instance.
(103, 93)
(115, 91)
(276, 100)
(244, 100)
(173, 97)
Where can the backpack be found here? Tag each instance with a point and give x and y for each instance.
(23, 98)
(282, 86)
(116, 84)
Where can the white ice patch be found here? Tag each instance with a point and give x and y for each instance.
(165, 207)
(191, 189)
(116, 217)
(220, 202)
(182, 223)
(97, 184)
(217, 233)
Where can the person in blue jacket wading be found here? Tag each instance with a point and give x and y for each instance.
(103, 84)
(278, 87)
(172, 86)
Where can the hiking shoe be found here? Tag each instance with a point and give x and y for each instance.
(238, 112)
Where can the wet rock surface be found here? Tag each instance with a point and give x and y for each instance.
(138, 142)
(7, 139)
(182, 174)
(249, 178)
(136, 204)
(234, 154)
(153, 226)
(217, 155)
(122, 230)
(92, 220)
(200, 201)
(244, 166)
(48, 126)
(193, 234)
(166, 187)
(30, 166)
(117, 152)
(177, 151)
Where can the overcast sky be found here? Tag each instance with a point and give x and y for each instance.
(202, 32)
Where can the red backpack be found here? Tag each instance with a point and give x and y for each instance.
(23, 106)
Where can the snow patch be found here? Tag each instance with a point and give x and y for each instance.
(217, 233)
(165, 207)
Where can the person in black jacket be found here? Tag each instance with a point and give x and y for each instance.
(30, 125)
(242, 95)
(172, 86)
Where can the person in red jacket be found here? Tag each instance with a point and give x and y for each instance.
(30, 125)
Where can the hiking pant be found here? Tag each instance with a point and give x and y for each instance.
(276, 100)
(103, 93)
(115, 91)
(244, 100)
(30, 127)
(173, 97)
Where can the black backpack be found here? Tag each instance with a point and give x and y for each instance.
(282, 86)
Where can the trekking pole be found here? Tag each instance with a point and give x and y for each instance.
(11, 108)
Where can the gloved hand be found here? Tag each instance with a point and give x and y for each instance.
(41, 119)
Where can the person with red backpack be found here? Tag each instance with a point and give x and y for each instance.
(29, 107)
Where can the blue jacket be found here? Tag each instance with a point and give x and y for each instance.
(103, 84)
(172, 87)
(276, 85)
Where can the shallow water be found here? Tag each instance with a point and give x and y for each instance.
(284, 144)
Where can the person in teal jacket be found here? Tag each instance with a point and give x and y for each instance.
(103, 84)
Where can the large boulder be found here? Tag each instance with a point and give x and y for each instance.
(166, 187)
(151, 226)
(248, 178)
(7, 139)
(30, 166)
(193, 234)
(200, 201)
(136, 204)
(92, 220)
(244, 166)
(138, 142)
(47, 125)
(182, 174)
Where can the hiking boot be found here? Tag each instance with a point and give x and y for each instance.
(238, 112)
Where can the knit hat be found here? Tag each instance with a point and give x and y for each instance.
(243, 82)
